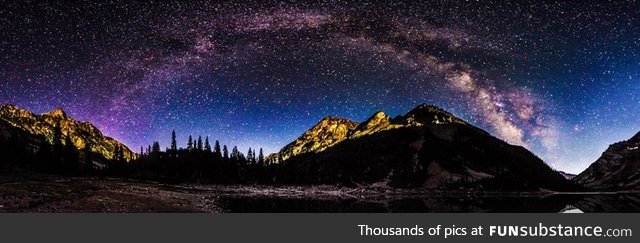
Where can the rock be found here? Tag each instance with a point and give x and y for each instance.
(14, 119)
(617, 169)
(329, 131)
(427, 147)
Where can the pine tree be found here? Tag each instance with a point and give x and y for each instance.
(190, 143)
(44, 156)
(58, 147)
(174, 143)
(253, 156)
(118, 161)
(4, 152)
(200, 143)
(225, 151)
(120, 155)
(207, 146)
(216, 149)
(88, 158)
(249, 155)
(261, 157)
(116, 153)
(70, 157)
(156, 147)
(235, 154)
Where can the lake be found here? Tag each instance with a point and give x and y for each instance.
(559, 203)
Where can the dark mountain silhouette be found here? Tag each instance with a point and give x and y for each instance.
(427, 147)
(617, 169)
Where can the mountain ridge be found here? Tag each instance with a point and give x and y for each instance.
(328, 131)
(79, 132)
(618, 168)
(426, 147)
(379, 121)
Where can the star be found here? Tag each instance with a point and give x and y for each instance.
(560, 79)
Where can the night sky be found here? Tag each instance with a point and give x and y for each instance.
(562, 79)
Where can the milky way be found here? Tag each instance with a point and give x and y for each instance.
(559, 78)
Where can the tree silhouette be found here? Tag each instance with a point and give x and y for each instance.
(200, 143)
(70, 157)
(190, 143)
(207, 146)
(216, 150)
(261, 157)
(116, 153)
(3, 152)
(58, 148)
(249, 155)
(118, 164)
(154, 149)
(235, 154)
(44, 157)
(174, 143)
(225, 151)
(88, 158)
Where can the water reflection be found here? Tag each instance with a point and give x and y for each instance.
(565, 203)
(571, 209)
(621, 203)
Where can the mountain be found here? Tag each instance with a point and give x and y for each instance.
(427, 147)
(332, 130)
(38, 127)
(329, 131)
(567, 176)
(617, 169)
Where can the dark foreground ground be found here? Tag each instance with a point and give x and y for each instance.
(41, 193)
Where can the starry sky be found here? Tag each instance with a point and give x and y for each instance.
(561, 78)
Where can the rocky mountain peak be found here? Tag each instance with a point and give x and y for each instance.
(378, 116)
(618, 168)
(331, 126)
(328, 131)
(12, 110)
(428, 114)
(425, 108)
(58, 113)
(375, 120)
(331, 130)
(428, 147)
(635, 138)
(335, 119)
(7, 107)
(80, 133)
